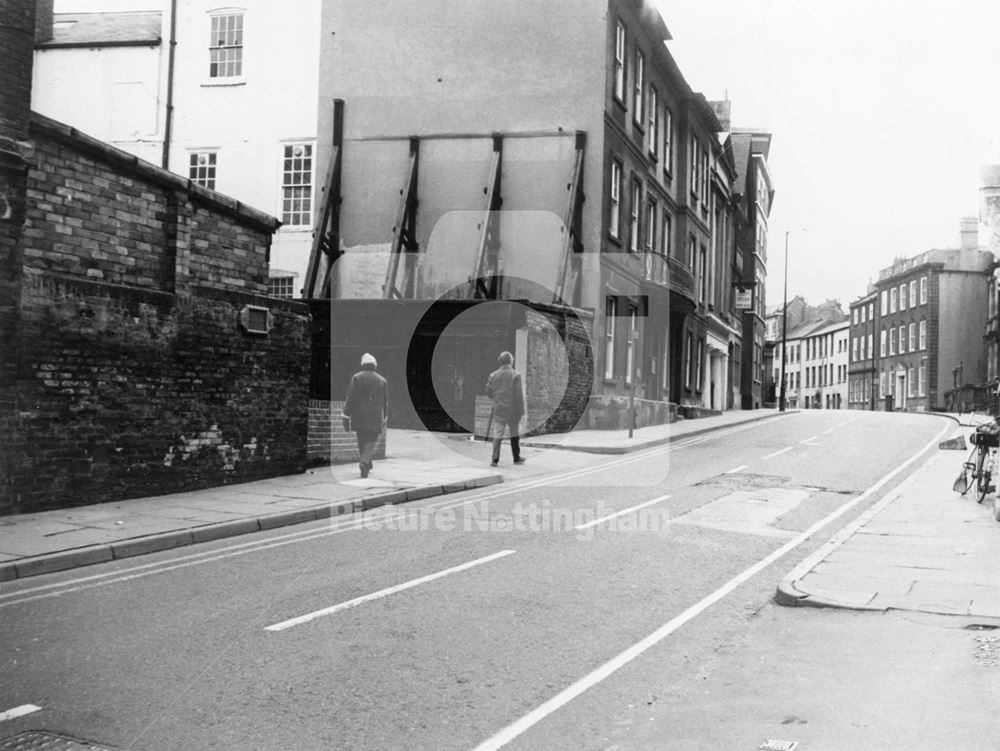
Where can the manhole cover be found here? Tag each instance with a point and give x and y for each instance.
(35, 740)
(747, 481)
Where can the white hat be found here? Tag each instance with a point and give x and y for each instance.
(367, 359)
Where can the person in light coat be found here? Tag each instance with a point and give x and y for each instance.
(504, 387)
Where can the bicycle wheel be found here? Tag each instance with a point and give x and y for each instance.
(982, 485)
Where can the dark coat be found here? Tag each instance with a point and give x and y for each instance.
(367, 401)
(504, 387)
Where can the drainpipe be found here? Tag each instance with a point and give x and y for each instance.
(169, 119)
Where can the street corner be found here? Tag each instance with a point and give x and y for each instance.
(793, 593)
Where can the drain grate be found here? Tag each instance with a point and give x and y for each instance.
(35, 740)
(987, 652)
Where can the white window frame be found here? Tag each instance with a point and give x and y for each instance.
(203, 174)
(615, 216)
(224, 43)
(639, 88)
(291, 211)
(902, 297)
(922, 380)
(620, 36)
(893, 295)
(923, 335)
(668, 140)
(652, 216)
(923, 290)
(902, 340)
(912, 333)
(653, 137)
(884, 298)
(913, 293)
(635, 215)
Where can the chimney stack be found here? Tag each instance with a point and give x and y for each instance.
(969, 233)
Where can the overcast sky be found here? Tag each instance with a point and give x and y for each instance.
(882, 112)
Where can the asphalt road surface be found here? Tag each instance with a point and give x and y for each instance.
(581, 607)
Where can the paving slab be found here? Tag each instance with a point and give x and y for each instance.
(921, 549)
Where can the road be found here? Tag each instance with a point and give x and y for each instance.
(583, 607)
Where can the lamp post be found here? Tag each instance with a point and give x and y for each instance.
(784, 326)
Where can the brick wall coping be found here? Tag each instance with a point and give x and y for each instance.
(147, 170)
(165, 299)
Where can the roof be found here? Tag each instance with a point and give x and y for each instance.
(133, 28)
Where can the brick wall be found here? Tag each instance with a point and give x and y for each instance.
(127, 371)
(128, 392)
(559, 375)
(328, 442)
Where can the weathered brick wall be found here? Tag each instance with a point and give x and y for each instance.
(560, 370)
(328, 442)
(127, 392)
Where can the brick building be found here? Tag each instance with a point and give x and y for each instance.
(596, 218)
(139, 353)
(863, 368)
(931, 316)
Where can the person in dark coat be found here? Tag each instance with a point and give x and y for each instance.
(368, 407)
(505, 389)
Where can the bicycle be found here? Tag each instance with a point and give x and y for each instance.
(979, 466)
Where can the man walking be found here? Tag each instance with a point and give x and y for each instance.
(504, 388)
(368, 407)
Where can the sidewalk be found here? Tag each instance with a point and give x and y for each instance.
(922, 548)
(419, 465)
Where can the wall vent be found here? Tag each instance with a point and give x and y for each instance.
(256, 319)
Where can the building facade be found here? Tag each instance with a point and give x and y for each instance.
(931, 315)
(816, 368)
(863, 369)
(646, 262)
(223, 96)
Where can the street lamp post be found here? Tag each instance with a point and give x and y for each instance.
(784, 332)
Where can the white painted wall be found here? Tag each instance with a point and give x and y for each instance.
(249, 122)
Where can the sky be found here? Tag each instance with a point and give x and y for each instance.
(882, 113)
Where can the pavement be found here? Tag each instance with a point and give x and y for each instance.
(418, 465)
(922, 548)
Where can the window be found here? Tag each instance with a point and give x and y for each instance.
(902, 297)
(913, 294)
(654, 122)
(281, 286)
(639, 93)
(702, 274)
(902, 339)
(609, 337)
(693, 167)
(856, 319)
(689, 360)
(668, 140)
(881, 345)
(923, 290)
(862, 314)
(870, 352)
(651, 225)
(893, 295)
(697, 364)
(201, 169)
(923, 335)
(885, 304)
(922, 380)
(635, 209)
(892, 341)
(620, 63)
(296, 185)
(909, 382)
(871, 311)
(854, 349)
(913, 336)
(225, 46)
(614, 220)
(692, 247)
(666, 238)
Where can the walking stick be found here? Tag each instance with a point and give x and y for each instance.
(489, 424)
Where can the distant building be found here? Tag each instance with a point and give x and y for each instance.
(863, 373)
(931, 316)
(816, 368)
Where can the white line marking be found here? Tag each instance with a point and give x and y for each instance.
(621, 513)
(525, 723)
(810, 438)
(24, 709)
(827, 432)
(779, 453)
(383, 592)
(736, 469)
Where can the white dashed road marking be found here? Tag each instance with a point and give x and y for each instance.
(621, 513)
(779, 453)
